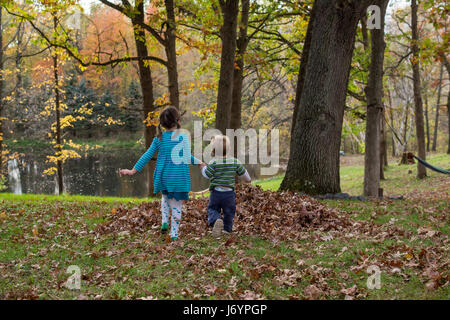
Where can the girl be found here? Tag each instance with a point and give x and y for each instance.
(222, 170)
(171, 176)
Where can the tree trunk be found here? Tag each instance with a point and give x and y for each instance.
(57, 115)
(374, 98)
(145, 78)
(302, 71)
(383, 144)
(438, 105)
(427, 122)
(448, 116)
(420, 130)
(391, 116)
(238, 76)
(313, 165)
(447, 66)
(171, 53)
(1, 91)
(405, 132)
(20, 34)
(228, 33)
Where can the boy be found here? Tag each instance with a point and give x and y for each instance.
(222, 171)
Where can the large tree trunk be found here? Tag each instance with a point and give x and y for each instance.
(228, 33)
(145, 78)
(238, 77)
(438, 105)
(302, 71)
(374, 97)
(420, 130)
(313, 165)
(171, 53)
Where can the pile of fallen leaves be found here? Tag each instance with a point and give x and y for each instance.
(267, 214)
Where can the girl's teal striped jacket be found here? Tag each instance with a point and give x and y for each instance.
(172, 164)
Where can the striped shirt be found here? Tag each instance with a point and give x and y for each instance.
(172, 164)
(222, 172)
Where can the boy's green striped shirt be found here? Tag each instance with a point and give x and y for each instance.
(222, 172)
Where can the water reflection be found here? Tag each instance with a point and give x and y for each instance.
(92, 175)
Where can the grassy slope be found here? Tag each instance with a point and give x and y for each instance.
(33, 263)
(399, 179)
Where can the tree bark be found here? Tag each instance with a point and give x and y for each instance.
(447, 66)
(145, 77)
(391, 116)
(438, 105)
(228, 34)
(302, 71)
(313, 165)
(420, 130)
(427, 122)
(58, 116)
(238, 76)
(374, 98)
(171, 54)
(1, 90)
(448, 116)
(383, 144)
(405, 132)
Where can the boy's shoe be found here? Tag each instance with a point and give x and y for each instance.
(217, 229)
(164, 228)
(226, 232)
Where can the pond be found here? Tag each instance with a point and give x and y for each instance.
(94, 175)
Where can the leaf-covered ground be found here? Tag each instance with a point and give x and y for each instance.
(285, 247)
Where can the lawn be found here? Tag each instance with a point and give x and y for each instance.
(41, 236)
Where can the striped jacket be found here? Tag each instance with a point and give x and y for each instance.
(172, 164)
(222, 172)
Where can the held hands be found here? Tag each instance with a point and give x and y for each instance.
(202, 164)
(126, 172)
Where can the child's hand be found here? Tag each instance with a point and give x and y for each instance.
(126, 172)
(202, 164)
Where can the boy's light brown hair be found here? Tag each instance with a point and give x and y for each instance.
(220, 146)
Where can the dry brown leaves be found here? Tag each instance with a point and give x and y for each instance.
(267, 214)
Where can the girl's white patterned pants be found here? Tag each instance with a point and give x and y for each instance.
(176, 207)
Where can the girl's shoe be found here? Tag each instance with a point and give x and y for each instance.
(164, 228)
(217, 229)
(174, 238)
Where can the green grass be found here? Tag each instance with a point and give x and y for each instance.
(42, 235)
(400, 179)
(69, 198)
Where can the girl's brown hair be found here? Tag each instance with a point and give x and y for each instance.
(168, 118)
